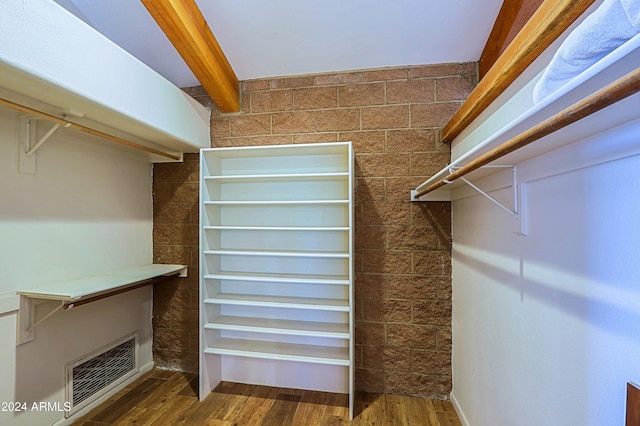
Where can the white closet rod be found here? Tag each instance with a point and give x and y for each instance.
(608, 95)
(59, 121)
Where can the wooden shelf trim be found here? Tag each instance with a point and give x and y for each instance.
(608, 95)
(65, 123)
(551, 19)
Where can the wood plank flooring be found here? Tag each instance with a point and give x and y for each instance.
(162, 398)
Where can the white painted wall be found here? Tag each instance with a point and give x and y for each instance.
(86, 211)
(545, 326)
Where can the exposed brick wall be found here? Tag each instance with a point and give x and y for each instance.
(403, 278)
(176, 224)
(175, 240)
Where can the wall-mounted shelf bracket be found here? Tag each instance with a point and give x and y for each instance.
(31, 127)
(518, 193)
(514, 209)
(28, 144)
(26, 318)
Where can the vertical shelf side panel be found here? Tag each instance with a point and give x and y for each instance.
(351, 369)
(210, 366)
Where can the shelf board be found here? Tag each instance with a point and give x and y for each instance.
(337, 305)
(279, 253)
(96, 285)
(279, 326)
(280, 351)
(275, 228)
(277, 177)
(287, 150)
(279, 278)
(274, 202)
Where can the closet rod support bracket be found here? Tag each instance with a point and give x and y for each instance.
(28, 146)
(518, 194)
(32, 128)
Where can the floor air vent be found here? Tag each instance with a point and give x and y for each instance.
(95, 374)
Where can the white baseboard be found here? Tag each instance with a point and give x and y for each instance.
(456, 405)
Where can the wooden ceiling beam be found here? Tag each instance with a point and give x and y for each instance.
(513, 15)
(499, 33)
(548, 22)
(185, 27)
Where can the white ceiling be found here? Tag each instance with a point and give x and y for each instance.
(270, 38)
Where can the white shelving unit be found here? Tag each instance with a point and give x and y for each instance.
(276, 291)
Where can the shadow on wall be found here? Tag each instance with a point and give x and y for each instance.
(608, 316)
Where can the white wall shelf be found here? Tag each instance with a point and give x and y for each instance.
(84, 290)
(280, 278)
(302, 253)
(278, 302)
(280, 228)
(130, 102)
(281, 351)
(97, 285)
(276, 255)
(277, 177)
(276, 326)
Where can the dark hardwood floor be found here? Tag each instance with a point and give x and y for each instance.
(170, 398)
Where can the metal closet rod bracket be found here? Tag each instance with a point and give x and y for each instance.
(518, 194)
(31, 128)
(513, 210)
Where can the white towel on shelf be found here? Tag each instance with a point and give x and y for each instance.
(608, 27)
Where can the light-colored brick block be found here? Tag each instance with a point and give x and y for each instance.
(369, 141)
(410, 91)
(453, 89)
(330, 120)
(411, 140)
(271, 101)
(316, 98)
(385, 117)
(384, 165)
(250, 125)
(433, 115)
(341, 78)
(385, 74)
(361, 94)
(293, 122)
